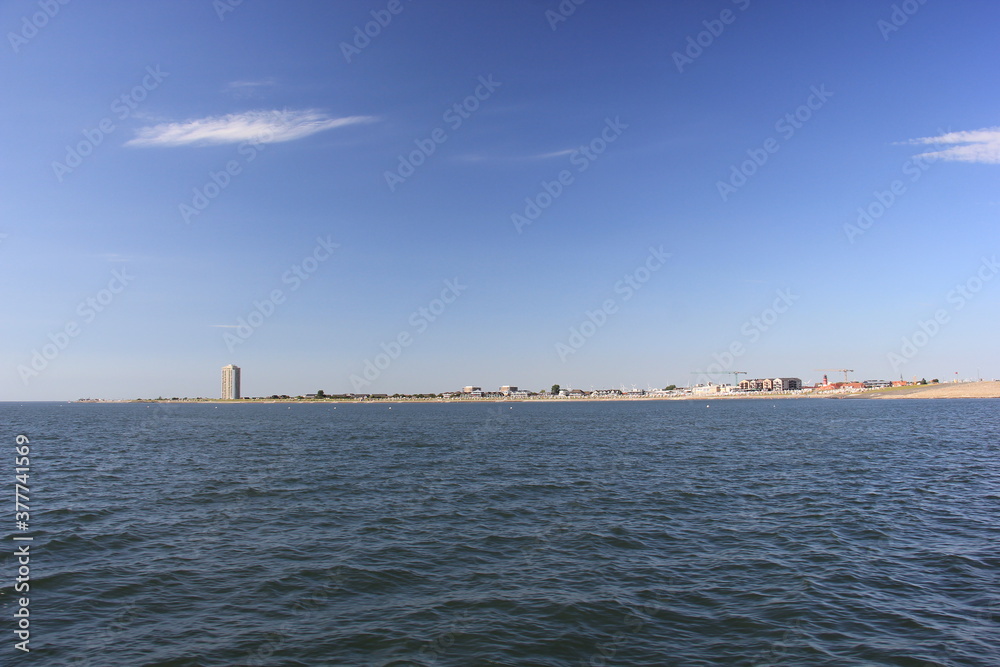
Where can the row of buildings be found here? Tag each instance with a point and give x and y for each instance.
(858, 386)
(231, 388)
(771, 384)
(792, 384)
(506, 391)
(510, 391)
(746, 386)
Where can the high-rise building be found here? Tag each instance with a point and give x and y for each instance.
(230, 382)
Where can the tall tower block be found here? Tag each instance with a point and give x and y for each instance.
(230, 382)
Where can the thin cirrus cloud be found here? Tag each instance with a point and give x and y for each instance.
(249, 89)
(546, 156)
(480, 157)
(978, 146)
(244, 85)
(257, 126)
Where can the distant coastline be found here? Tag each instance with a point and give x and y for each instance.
(984, 389)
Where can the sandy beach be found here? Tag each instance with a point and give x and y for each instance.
(951, 390)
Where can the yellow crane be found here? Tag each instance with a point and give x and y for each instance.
(845, 371)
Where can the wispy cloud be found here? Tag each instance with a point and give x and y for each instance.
(546, 156)
(243, 85)
(481, 157)
(258, 126)
(248, 89)
(979, 146)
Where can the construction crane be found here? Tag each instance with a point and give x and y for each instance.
(845, 371)
(736, 375)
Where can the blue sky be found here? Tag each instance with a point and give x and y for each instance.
(168, 168)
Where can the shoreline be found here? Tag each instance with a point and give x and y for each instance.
(984, 389)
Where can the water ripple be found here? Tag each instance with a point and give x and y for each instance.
(799, 533)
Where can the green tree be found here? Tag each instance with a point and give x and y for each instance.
(670, 387)
(320, 394)
(555, 390)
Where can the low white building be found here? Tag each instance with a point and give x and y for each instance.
(712, 388)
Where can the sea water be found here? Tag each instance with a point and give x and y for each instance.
(727, 532)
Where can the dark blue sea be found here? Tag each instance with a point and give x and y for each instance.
(736, 532)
